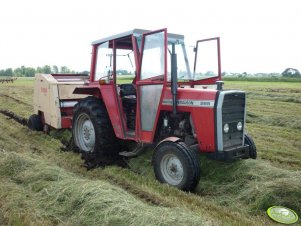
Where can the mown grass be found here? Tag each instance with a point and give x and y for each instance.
(17, 97)
(228, 194)
(49, 195)
(247, 186)
(42, 185)
(139, 182)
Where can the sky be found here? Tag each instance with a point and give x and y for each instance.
(256, 35)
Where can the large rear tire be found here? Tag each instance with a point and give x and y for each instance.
(252, 147)
(92, 130)
(175, 164)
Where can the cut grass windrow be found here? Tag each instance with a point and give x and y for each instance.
(12, 115)
(41, 193)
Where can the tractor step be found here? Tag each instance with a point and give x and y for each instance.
(128, 154)
(134, 152)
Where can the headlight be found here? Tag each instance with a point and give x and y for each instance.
(239, 126)
(226, 128)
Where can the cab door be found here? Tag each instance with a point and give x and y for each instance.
(150, 82)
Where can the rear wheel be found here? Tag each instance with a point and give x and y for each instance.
(175, 164)
(92, 130)
(35, 122)
(252, 147)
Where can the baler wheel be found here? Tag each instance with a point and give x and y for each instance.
(35, 123)
(175, 164)
(92, 130)
(252, 147)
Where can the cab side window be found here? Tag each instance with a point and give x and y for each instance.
(104, 65)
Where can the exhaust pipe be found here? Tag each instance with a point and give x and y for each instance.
(174, 79)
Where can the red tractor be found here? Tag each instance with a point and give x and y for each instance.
(178, 111)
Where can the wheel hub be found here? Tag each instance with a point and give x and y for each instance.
(85, 134)
(172, 169)
(88, 130)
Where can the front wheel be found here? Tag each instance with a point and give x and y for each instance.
(175, 164)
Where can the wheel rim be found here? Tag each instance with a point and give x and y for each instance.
(85, 133)
(172, 169)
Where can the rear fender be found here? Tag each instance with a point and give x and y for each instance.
(107, 93)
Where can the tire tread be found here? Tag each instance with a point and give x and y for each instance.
(106, 141)
(35, 122)
(252, 147)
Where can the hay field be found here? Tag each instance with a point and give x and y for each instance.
(42, 184)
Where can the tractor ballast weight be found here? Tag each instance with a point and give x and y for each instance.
(163, 104)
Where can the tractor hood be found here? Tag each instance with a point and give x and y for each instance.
(191, 97)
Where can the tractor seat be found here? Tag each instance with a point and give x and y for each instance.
(128, 93)
(127, 90)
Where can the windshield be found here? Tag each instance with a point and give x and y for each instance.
(206, 61)
(184, 72)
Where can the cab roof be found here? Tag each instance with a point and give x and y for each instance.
(136, 32)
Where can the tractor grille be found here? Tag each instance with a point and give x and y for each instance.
(233, 111)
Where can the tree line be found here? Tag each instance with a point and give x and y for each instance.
(31, 71)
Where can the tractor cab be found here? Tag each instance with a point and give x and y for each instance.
(134, 67)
